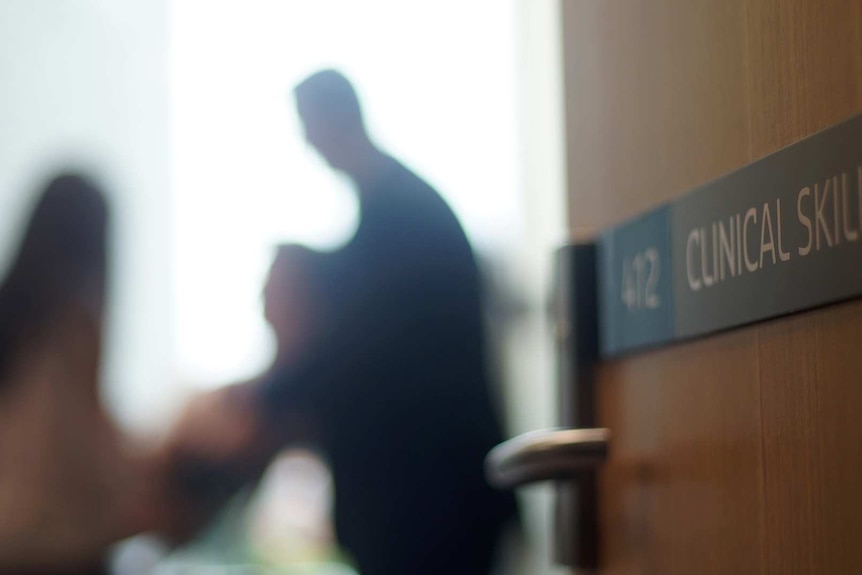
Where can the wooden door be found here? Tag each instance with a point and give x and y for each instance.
(739, 452)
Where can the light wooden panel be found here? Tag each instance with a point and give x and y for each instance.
(683, 491)
(661, 97)
(655, 102)
(626, 403)
(805, 74)
(791, 431)
(811, 369)
(839, 375)
(656, 105)
(803, 68)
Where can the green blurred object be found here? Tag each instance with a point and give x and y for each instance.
(226, 548)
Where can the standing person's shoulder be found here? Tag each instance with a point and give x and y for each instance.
(412, 188)
(395, 177)
(416, 209)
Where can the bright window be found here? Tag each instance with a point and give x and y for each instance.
(437, 80)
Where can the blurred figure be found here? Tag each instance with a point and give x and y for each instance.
(68, 484)
(394, 389)
(298, 302)
(209, 462)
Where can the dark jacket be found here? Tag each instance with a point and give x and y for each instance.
(398, 389)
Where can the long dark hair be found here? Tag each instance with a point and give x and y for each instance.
(62, 256)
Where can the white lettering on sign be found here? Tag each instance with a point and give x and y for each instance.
(804, 220)
(640, 280)
(749, 241)
(694, 282)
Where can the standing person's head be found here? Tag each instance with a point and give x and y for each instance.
(332, 118)
(294, 297)
(61, 261)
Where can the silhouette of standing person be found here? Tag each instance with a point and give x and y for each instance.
(396, 391)
(409, 417)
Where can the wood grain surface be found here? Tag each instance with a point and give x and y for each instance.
(742, 452)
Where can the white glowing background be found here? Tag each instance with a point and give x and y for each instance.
(437, 81)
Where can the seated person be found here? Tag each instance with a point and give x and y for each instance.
(69, 485)
(203, 460)
(406, 448)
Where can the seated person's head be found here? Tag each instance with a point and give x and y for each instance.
(294, 294)
(60, 263)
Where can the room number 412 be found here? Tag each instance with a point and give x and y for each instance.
(640, 280)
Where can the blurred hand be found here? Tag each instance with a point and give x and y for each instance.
(71, 482)
(218, 425)
(216, 447)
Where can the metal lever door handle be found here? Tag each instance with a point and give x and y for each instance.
(546, 455)
(569, 455)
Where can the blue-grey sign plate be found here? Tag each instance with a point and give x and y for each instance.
(636, 305)
(778, 236)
